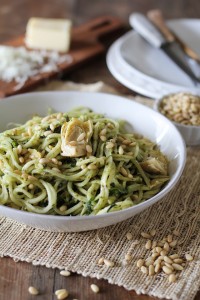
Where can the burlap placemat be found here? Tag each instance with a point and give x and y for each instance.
(79, 252)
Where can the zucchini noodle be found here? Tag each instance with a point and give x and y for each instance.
(121, 170)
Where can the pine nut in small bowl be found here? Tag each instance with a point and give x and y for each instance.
(183, 109)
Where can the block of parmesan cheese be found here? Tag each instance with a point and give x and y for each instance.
(48, 34)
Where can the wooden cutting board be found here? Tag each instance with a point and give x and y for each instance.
(87, 42)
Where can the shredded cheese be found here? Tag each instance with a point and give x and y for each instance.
(18, 64)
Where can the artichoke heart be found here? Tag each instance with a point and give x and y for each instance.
(156, 163)
(75, 135)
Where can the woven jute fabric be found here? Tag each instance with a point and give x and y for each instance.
(79, 252)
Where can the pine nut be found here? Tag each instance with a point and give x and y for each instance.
(65, 273)
(167, 270)
(103, 138)
(154, 244)
(144, 270)
(153, 232)
(31, 186)
(140, 263)
(88, 148)
(48, 132)
(145, 235)
(62, 294)
(110, 145)
(126, 142)
(52, 127)
(173, 256)
(163, 252)
(101, 261)
(19, 149)
(178, 260)
(158, 249)
(56, 170)
(54, 160)
(108, 263)
(149, 261)
(148, 245)
(63, 207)
(123, 171)
(169, 238)
(43, 161)
(166, 246)
(92, 167)
(173, 243)
(177, 267)
(130, 176)
(33, 291)
(81, 137)
(21, 159)
(168, 260)
(154, 255)
(151, 270)
(103, 132)
(188, 257)
(172, 277)
(128, 257)
(121, 150)
(94, 288)
(129, 236)
(157, 268)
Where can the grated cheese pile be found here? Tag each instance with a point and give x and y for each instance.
(19, 64)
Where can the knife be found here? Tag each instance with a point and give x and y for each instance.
(156, 17)
(150, 33)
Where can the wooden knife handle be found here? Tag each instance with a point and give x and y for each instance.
(156, 17)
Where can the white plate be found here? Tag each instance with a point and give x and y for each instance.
(147, 70)
(143, 120)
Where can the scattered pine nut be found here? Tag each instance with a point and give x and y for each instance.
(151, 270)
(154, 255)
(103, 131)
(178, 260)
(168, 260)
(128, 257)
(153, 232)
(177, 267)
(173, 243)
(188, 257)
(163, 252)
(121, 150)
(167, 270)
(92, 167)
(140, 263)
(145, 235)
(172, 277)
(169, 238)
(129, 236)
(21, 159)
(65, 273)
(154, 244)
(157, 268)
(101, 261)
(123, 171)
(144, 270)
(149, 261)
(62, 294)
(166, 246)
(33, 291)
(31, 186)
(148, 245)
(94, 288)
(108, 263)
(158, 249)
(174, 256)
(103, 138)
(110, 145)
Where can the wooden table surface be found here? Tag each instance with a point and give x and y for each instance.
(15, 278)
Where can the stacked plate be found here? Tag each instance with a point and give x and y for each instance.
(147, 70)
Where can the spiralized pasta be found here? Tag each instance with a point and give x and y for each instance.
(122, 170)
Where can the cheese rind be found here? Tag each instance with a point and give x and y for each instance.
(48, 34)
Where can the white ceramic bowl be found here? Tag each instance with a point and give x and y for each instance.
(143, 120)
(190, 133)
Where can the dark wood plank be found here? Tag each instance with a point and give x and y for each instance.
(15, 278)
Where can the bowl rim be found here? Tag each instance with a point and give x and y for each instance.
(158, 101)
(170, 185)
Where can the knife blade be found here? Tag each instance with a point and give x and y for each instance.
(150, 33)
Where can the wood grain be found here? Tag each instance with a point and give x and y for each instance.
(15, 278)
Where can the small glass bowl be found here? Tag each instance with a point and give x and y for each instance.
(190, 133)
